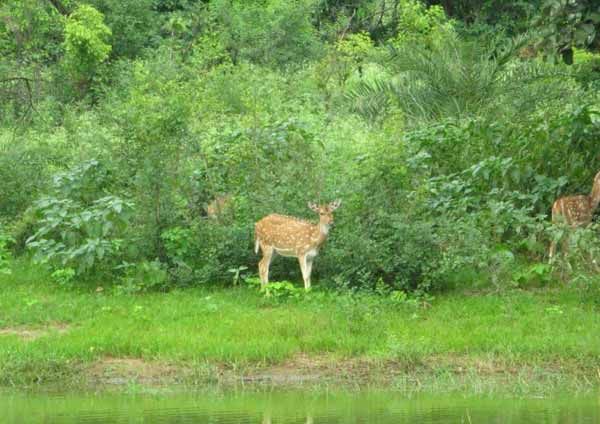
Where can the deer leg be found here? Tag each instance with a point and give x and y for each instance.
(304, 269)
(309, 264)
(552, 251)
(263, 266)
(565, 245)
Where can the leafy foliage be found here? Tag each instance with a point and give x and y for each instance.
(5, 241)
(424, 25)
(275, 32)
(569, 24)
(453, 79)
(74, 228)
(63, 276)
(86, 43)
(123, 121)
(72, 235)
(141, 277)
(29, 31)
(134, 25)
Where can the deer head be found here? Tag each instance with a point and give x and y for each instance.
(325, 214)
(219, 206)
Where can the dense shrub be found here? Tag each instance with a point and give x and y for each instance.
(79, 225)
(389, 246)
(125, 120)
(24, 172)
(272, 33)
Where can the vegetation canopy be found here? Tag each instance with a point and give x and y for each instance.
(141, 141)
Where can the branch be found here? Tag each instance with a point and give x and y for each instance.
(59, 7)
(347, 26)
(380, 15)
(27, 80)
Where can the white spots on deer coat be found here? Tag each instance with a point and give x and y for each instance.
(576, 211)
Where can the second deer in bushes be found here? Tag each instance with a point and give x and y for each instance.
(575, 211)
(294, 237)
(219, 206)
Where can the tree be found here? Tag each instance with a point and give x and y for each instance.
(86, 44)
(568, 24)
(511, 13)
(59, 7)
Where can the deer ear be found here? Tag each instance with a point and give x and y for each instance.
(313, 206)
(335, 204)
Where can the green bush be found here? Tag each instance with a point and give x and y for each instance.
(272, 33)
(393, 247)
(79, 225)
(86, 238)
(87, 45)
(578, 251)
(63, 276)
(5, 242)
(206, 252)
(141, 277)
(24, 172)
(588, 288)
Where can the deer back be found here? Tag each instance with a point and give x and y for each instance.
(286, 232)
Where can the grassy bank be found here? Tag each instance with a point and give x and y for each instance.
(525, 340)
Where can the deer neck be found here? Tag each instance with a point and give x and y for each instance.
(595, 195)
(320, 233)
(594, 202)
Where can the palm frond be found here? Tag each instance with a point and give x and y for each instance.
(370, 98)
(455, 79)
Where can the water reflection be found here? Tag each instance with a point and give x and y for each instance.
(292, 408)
(268, 420)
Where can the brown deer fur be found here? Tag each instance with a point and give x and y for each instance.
(575, 211)
(293, 237)
(218, 206)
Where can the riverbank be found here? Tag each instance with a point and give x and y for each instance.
(518, 341)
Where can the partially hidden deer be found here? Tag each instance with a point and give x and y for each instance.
(219, 206)
(293, 237)
(575, 211)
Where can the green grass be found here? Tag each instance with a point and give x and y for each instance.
(237, 328)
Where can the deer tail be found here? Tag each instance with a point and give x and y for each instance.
(256, 244)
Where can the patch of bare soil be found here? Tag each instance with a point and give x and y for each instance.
(368, 371)
(33, 333)
(301, 369)
(311, 370)
(122, 371)
(306, 369)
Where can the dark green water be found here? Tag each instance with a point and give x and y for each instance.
(292, 407)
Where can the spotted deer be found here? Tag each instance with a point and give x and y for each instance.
(293, 237)
(575, 211)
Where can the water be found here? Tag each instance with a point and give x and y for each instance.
(292, 407)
